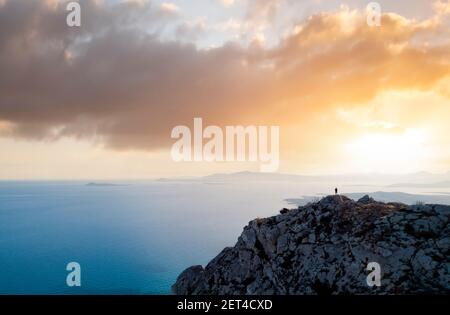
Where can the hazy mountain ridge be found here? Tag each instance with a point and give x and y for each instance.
(393, 180)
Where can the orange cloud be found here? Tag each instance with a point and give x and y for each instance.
(128, 88)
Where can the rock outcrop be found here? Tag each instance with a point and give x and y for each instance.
(325, 247)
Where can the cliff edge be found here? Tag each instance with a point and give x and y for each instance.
(325, 247)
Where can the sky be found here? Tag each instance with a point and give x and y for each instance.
(99, 101)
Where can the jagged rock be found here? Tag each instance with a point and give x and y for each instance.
(324, 248)
(366, 200)
(191, 280)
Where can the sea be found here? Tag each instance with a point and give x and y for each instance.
(128, 237)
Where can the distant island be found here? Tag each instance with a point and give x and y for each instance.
(325, 247)
(104, 184)
(443, 184)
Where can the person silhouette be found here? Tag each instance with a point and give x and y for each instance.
(335, 191)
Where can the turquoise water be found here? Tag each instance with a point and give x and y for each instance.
(135, 237)
(129, 239)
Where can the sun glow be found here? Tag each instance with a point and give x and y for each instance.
(380, 152)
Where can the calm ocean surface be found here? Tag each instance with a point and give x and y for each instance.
(130, 239)
(133, 238)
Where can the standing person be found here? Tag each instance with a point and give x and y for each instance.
(336, 191)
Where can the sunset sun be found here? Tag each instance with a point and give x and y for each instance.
(388, 153)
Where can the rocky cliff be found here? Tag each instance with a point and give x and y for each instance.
(325, 247)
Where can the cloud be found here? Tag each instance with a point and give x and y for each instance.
(258, 16)
(442, 7)
(192, 30)
(228, 3)
(261, 12)
(116, 80)
(170, 8)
